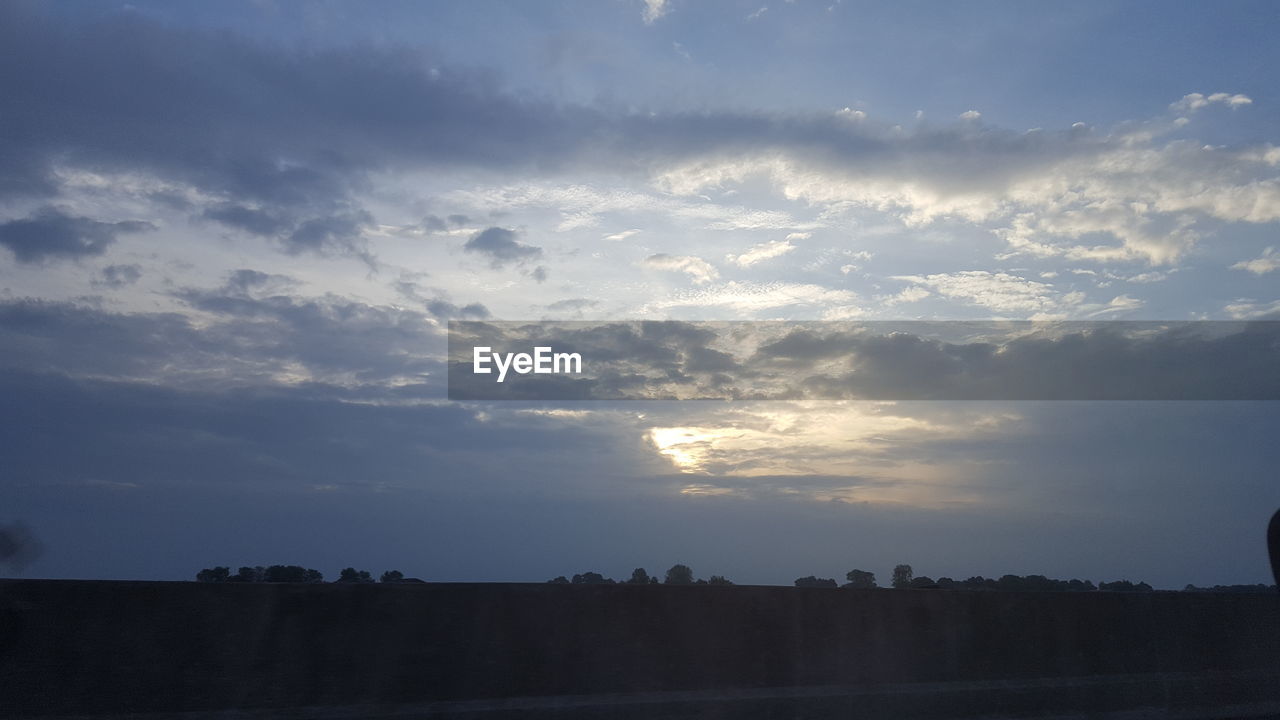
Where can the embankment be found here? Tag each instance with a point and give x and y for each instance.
(489, 650)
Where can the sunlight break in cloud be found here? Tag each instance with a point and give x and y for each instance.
(763, 251)
(751, 297)
(1134, 194)
(849, 452)
(695, 267)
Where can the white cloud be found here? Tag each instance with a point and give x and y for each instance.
(757, 14)
(654, 9)
(997, 291)
(695, 267)
(581, 205)
(909, 295)
(1127, 194)
(1261, 265)
(971, 115)
(750, 297)
(1245, 309)
(620, 236)
(1118, 304)
(762, 251)
(1195, 101)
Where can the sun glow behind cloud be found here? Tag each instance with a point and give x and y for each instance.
(873, 447)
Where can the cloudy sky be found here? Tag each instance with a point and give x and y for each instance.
(232, 235)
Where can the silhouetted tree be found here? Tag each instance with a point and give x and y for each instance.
(902, 576)
(1258, 588)
(591, 578)
(558, 580)
(812, 582)
(924, 581)
(1123, 586)
(392, 576)
(249, 574)
(718, 580)
(214, 574)
(679, 575)
(351, 575)
(639, 577)
(860, 580)
(291, 574)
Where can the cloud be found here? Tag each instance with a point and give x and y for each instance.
(755, 15)
(118, 276)
(51, 234)
(573, 306)
(232, 127)
(764, 251)
(1195, 101)
(239, 335)
(1261, 265)
(620, 236)
(909, 295)
(998, 291)
(341, 232)
(745, 297)
(501, 247)
(971, 115)
(433, 223)
(446, 310)
(860, 360)
(251, 220)
(653, 10)
(1247, 309)
(695, 267)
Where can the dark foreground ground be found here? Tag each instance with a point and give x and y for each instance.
(73, 648)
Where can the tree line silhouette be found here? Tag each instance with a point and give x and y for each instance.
(903, 577)
(294, 574)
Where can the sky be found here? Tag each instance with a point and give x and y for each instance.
(232, 236)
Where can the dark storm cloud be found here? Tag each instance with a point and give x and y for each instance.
(882, 361)
(225, 113)
(255, 222)
(433, 223)
(282, 139)
(447, 310)
(244, 280)
(438, 306)
(254, 341)
(501, 247)
(117, 276)
(51, 234)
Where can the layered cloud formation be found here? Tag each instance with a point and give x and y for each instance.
(230, 244)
